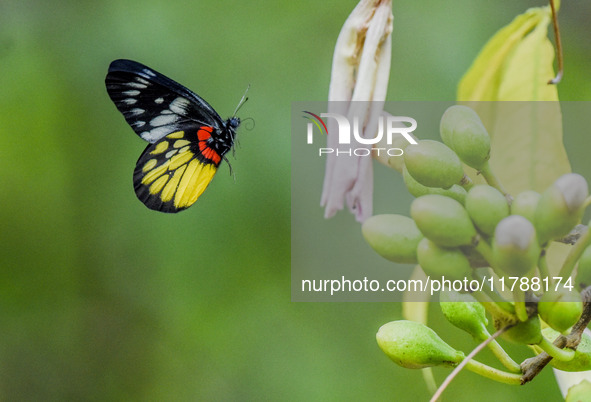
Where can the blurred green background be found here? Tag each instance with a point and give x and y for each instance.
(103, 299)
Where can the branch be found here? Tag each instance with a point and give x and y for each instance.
(531, 367)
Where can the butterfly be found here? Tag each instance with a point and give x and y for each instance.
(188, 139)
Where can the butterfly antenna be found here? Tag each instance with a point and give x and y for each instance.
(242, 101)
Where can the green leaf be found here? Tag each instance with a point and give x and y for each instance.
(528, 69)
(526, 133)
(481, 81)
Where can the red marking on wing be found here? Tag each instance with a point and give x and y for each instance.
(210, 154)
(204, 133)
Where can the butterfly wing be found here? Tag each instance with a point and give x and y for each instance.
(188, 139)
(153, 104)
(173, 172)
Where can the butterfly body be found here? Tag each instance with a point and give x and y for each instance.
(188, 139)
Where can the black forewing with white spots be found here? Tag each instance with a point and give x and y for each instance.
(153, 104)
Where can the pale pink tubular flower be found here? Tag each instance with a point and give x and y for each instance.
(360, 72)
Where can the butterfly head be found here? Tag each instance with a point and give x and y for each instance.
(233, 123)
(230, 127)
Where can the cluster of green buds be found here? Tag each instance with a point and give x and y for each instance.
(459, 230)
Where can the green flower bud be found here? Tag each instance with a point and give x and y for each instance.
(525, 332)
(472, 143)
(413, 345)
(486, 206)
(579, 392)
(395, 162)
(525, 204)
(443, 220)
(394, 237)
(433, 164)
(584, 269)
(561, 207)
(451, 117)
(417, 189)
(463, 311)
(515, 248)
(463, 131)
(440, 261)
(560, 309)
(582, 359)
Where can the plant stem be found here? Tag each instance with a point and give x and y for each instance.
(533, 366)
(429, 379)
(493, 373)
(484, 249)
(466, 182)
(574, 234)
(560, 72)
(500, 354)
(480, 368)
(564, 355)
(574, 254)
(543, 265)
(495, 308)
(519, 299)
(491, 179)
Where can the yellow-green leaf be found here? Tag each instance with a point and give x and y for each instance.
(481, 81)
(529, 67)
(526, 133)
